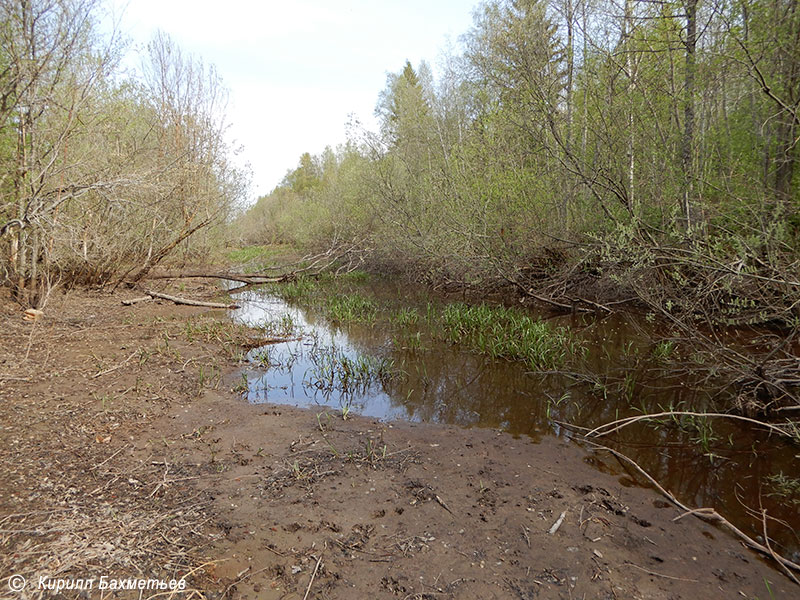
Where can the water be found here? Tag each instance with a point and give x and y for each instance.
(722, 464)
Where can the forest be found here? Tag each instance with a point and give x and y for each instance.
(651, 144)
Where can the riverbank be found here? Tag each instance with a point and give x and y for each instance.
(131, 453)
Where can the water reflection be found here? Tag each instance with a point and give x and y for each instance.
(724, 467)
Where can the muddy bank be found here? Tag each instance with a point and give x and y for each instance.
(128, 453)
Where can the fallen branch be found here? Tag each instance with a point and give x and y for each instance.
(246, 279)
(133, 301)
(347, 256)
(189, 302)
(706, 514)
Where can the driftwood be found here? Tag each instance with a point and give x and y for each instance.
(177, 300)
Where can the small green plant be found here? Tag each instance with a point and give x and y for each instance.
(411, 342)
(784, 487)
(552, 402)
(298, 290)
(207, 375)
(105, 400)
(323, 427)
(405, 317)
(243, 385)
(663, 350)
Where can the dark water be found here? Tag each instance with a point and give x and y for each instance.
(722, 464)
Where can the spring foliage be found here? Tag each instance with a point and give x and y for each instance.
(625, 149)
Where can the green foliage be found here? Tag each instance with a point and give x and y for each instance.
(251, 254)
(501, 332)
(350, 308)
(537, 153)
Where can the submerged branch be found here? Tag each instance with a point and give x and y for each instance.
(706, 514)
(615, 426)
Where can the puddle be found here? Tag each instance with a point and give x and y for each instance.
(726, 466)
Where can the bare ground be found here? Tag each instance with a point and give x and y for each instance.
(127, 452)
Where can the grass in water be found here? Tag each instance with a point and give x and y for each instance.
(351, 308)
(335, 371)
(787, 488)
(501, 332)
(301, 289)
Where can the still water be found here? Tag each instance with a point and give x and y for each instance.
(721, 463)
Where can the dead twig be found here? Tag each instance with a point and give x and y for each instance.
(240, 580)
(112, 369)
(630, 564)
(98, 465)
(442, 503)
(313, 575)
(707, 514)
(555, 527)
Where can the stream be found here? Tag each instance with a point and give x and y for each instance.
(720, 463)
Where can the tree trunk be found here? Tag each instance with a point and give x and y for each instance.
(688, 112)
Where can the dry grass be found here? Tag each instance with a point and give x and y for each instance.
(81, 495)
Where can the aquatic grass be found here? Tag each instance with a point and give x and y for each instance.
(301, 289)
(784, 487)
(663, 350)
(408, 341)
(405, 317)
(334, 370)
(355, 276)
(283, 326)
(506, 333)
(350, 308)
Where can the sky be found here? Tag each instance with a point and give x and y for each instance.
(296, 70)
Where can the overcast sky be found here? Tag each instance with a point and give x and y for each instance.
(296, 69)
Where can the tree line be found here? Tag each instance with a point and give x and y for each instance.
(104, 170)
(583, 152)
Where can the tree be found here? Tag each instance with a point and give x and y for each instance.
(53, 62)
